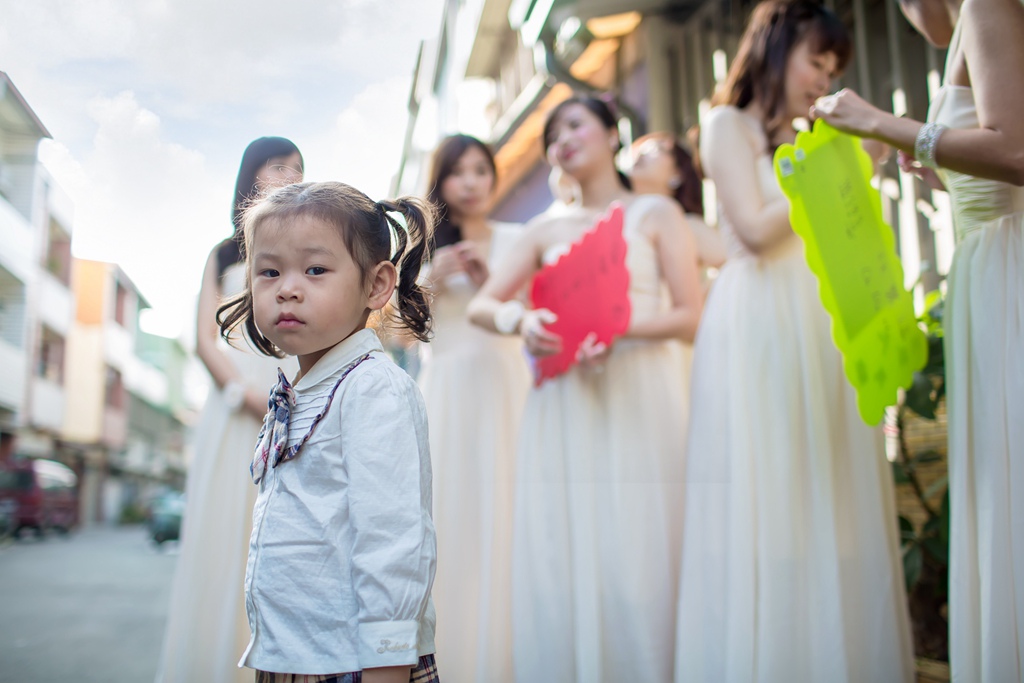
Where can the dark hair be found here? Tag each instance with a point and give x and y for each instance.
(690, 193)
(255, 157)
(775, 27)
(368, 233)
(596, 106)
(442, 165)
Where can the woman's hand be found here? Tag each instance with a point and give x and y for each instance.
(849, 112)
(908, 164)
(592, 354)
(472, 262)
(444, 262)
(539, 340)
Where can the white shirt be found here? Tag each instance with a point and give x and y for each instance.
(342, 552)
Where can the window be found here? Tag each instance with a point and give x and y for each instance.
(58, 253)
(50, 363)
(120, 303)
(115, 393)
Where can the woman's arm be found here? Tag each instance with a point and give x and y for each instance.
(677, 260)
(994, 52)
(221, 369)
(517, 267)
(730, 159)
(711, 249)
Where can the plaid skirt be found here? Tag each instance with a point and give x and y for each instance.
(425, 672)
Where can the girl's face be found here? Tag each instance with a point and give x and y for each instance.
(467, 189)
(308, 293)
(808, 77)
(654, 168)
(579, 142)
(279, 171)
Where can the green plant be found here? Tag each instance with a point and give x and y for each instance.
(926, 549)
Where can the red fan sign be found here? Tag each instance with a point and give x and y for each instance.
(588, 289)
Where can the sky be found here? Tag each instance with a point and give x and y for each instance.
(151, 102)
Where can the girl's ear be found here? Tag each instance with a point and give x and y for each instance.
(383, 279)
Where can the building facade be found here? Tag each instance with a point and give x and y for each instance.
(498, 66)
(127, 421)
(82, 384)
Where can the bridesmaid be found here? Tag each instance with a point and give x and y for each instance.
(207, 629)
(791, 564)
(597, 514)
(474, 384)
(974, 138)
(661, 165)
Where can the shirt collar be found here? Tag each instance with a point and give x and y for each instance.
(337, 359)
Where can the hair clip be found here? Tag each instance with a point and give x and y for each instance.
(397, 218)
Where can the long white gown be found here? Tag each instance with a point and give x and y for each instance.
(598, 521)
(791, 562)
(474, 384)
(985, 400)
(207, 630)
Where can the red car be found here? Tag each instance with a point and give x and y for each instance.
(39, 494)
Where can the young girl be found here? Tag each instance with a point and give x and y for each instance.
(598, 520)
(474, 384)
(206, 624)
(342, 552)
(791, 565)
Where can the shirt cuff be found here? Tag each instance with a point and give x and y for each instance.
(388, 643)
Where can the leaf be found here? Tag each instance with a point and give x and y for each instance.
(931, 300)
(937, 548)
(913, 562)
(907, 533)
(936, 486)
(936, 365)
(920, 396)
(926, 457)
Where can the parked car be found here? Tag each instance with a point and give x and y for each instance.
(165, 517)
(42, 494)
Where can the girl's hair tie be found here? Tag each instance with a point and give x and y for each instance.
(396, 224)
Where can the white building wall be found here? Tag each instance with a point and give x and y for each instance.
(84, 378)
(14, 368)
(56, 308)
(145, 381)
(17, 242)
(47, 405)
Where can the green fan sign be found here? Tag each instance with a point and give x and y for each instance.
(827, 177)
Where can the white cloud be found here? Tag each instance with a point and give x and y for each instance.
(151, 103)
(364, 146)
(141, 201)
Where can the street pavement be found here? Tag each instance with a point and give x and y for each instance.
(85, 608)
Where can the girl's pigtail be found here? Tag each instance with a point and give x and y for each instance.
(412, 247)
(237, 311)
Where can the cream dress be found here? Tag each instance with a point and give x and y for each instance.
(207, 630)
(791, 565)
(984, 328)
(474, 383)
(598, 508)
